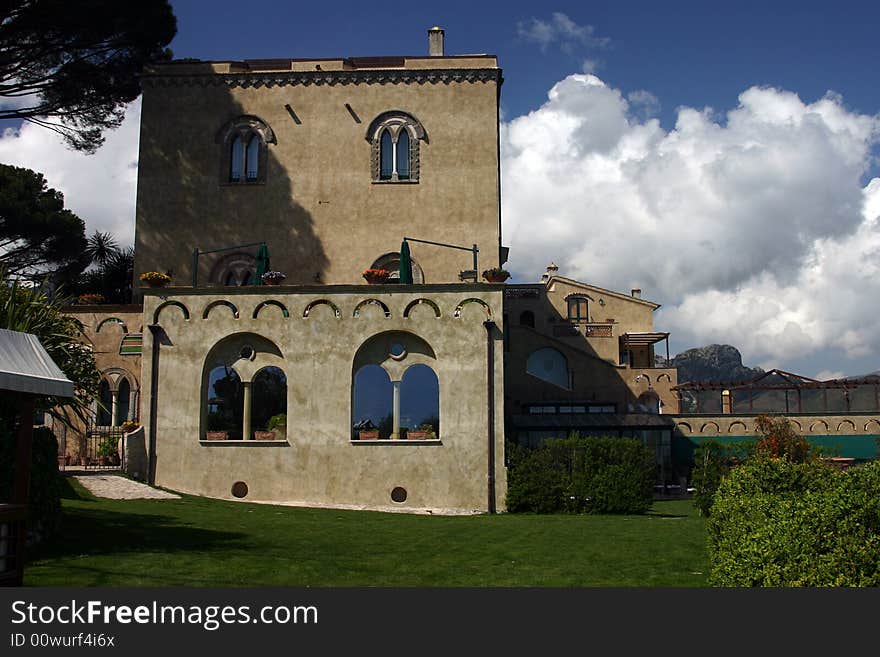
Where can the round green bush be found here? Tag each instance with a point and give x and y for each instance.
(777, 523)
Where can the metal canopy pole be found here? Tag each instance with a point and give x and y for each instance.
(472, 249)
(197, 253)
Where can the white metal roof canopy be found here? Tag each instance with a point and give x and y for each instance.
(26, 367)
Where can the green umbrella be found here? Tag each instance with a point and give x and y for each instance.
(406, 275)
(262, 262)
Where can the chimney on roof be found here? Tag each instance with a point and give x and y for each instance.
(435, 41)
(552, 269)
(637, 293)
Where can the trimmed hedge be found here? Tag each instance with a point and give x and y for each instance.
(777, 523)
(44, 493)
(581, 475)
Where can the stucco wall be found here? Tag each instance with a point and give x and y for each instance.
(319, 463)
(592, 359)
(323, 217)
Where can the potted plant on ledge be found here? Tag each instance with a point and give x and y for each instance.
(91, 299)
(366, 430)
(424, 431)
(155, 278)
(496, 275)
(376, 276)
(273, 278)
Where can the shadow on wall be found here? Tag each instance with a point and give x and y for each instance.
(188, 196)
(540, 366)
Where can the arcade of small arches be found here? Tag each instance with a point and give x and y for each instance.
(429, 307)
(395, 390)
(117, 400)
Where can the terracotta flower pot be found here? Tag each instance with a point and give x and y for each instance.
(368, 435)
(216, 435)
(264, 435)
(417, 435)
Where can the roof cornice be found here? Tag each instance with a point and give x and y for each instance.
(329, 78)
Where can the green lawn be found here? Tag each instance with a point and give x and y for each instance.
(203, 542)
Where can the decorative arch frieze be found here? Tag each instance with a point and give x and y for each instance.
(371, 302)
(271, 302)
(167, 304)
(111, 320)
(222, 302)
(419, 302)
(322, 302)
(457, 313)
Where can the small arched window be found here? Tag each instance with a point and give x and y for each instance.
(387, 156)
(252, 158)
(401, 159)
(245, 141)
(236, 159)
(391, 262)
(395, 138)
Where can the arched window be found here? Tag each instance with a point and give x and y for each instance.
(420, 401)
(252, 158)
(105, 404)
(123, 402)
(577, 309)
(245, 142)
(391, 262)
(387, 156)
(372, 401)
(269, 400)
(549, 365)
(527, 318)
(395, 391)
(243, 388)
(395, 138)
(236, 159)
(234, 270)
(401, 159)
(225, 403)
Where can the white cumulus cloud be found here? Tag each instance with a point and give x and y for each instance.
(752, 227)
(99, 188)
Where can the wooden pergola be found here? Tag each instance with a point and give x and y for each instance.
(780, 380)
(26, 372)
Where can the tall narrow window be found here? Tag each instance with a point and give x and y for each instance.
(269, 399)
(386, 156)
(105, 404)
(123, 402)
(372, 401)
(236, 159)
(225, 403)
(252, 158)
(420, 400)
(577, 309)
(402, 159)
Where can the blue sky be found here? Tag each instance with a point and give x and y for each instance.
(693, 53)
(722, 157)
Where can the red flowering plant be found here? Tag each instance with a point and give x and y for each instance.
(376, 275)
(779, 440)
